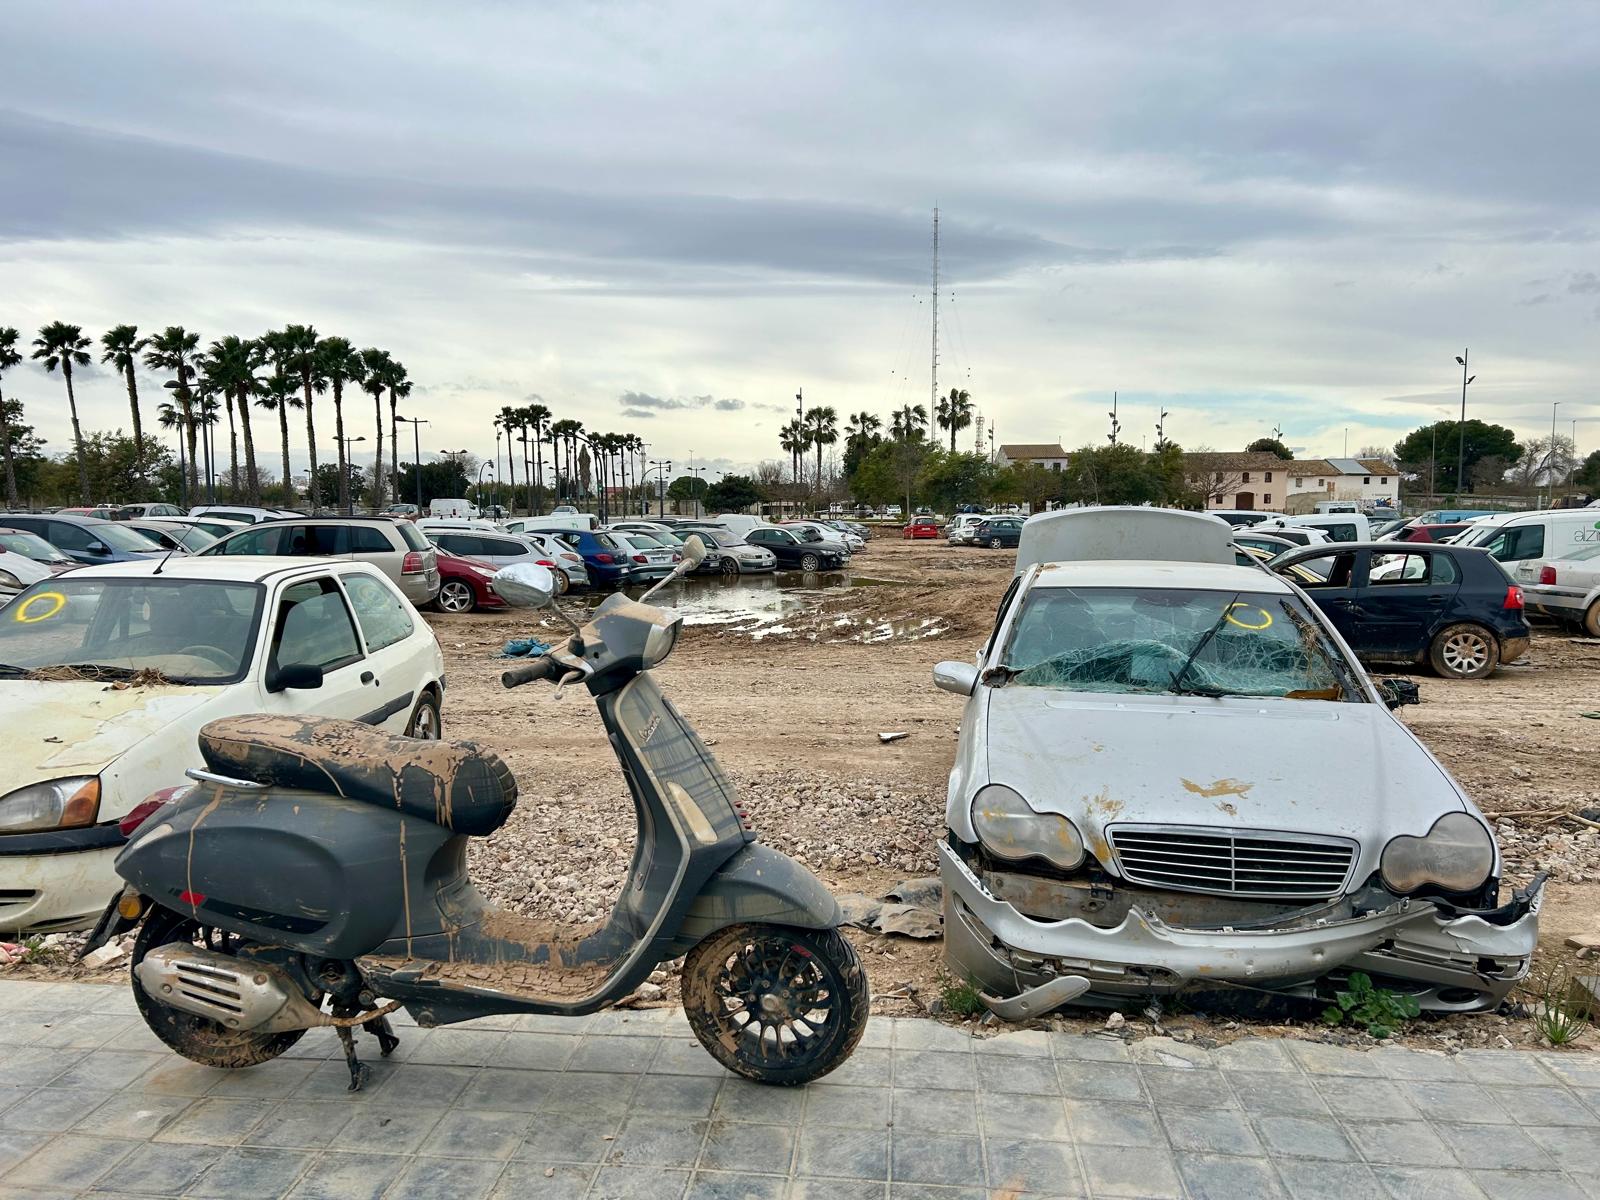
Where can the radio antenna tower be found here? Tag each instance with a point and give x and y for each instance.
(934, 368)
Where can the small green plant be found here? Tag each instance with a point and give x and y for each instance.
(1381, 1011)
(1558, 1017)
(959, 996)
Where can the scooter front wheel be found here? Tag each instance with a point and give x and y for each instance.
(196, 1038)
(775, 1004)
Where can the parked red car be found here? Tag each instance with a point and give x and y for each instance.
(464, 584)
(1433, 533)
(921, 527)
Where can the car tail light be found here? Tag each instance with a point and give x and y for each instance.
(1513, 597)
(412, 564)
(1547, 575)
(545, 562)
(602, 558)
(640, 558)
(573, 557)
(143, 811)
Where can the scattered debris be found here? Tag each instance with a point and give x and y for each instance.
(109, 953)
(910, 909)
(1116, 1021)
(892, 737)
(523, 648)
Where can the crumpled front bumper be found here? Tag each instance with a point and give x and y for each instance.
(1458, 963)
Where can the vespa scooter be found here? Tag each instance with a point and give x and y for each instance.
(315, 875)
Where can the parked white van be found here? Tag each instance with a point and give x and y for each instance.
(1515, 537)
(1340, 527)
(452, 508)
(561, 520)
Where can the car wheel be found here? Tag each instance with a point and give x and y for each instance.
(808, 562)
(1464, 652)
(563, 582)
(728, 566)
(996, 544)
(456, 597)
(1591, 620)
(426, 724)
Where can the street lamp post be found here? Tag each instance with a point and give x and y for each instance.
(495, 467)
(1550, 459)
(1461, 429)
(660, 466)
(349, 474)
(416, 451)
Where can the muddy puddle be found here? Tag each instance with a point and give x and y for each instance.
(821, 606)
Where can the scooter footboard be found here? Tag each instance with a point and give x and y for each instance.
(758, 885)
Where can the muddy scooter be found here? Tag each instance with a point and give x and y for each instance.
(315, 874)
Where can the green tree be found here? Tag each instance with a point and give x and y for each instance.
(299, 346)
(686, 489)
(279, 395)
(340, 363)
(377, 368)
(1270, 446)
(1113, 474)
(10, 417)
(122, 346)
(399, 385)
(950, 479)
(909, 424)
(795, 437)
(1474, 441)
(174, 349)
(229, 369)
(1587, 475)
(953, 412)
(448, 476)
(733, 493)
(822, 428)
(63, 347)
(23, 452)
(1166, 465)
(1028, 483)
(892, 473)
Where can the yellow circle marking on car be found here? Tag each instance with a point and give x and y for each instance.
(1266, 617)
(28, 618)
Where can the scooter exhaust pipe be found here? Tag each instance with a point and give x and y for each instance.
(232, 992)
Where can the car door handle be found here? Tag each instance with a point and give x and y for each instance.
(368, 677)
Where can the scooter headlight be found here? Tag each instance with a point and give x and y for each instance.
(1009, 828)
(662, 638)
(56, 804)
(1456, 855)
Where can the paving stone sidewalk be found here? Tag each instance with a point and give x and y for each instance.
(627, 1104)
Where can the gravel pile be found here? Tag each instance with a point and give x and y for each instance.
(1529, 845)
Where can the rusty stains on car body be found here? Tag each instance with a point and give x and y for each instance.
(1220, 787)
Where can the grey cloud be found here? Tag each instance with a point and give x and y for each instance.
(1584, 283)
(639, 413)
(728, 405)
(634, 402)
(1535, 301)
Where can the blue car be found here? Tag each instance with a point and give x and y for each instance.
(603, 557)
(86, 539)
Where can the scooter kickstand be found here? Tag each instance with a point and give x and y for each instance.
(385, 1034)
(358, 1069)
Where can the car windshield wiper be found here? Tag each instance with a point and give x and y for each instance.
(11, 671)
(1177, 683)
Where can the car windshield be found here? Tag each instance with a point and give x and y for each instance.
(644, 541)
(1174, 642)
(30, 545)
(174, 629)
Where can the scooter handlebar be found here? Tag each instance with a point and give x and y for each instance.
(528, 672)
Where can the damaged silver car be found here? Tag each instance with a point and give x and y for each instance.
(1174, 775)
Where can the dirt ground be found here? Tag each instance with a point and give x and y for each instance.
(793, 702)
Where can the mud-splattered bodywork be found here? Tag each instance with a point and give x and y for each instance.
(1227, 842)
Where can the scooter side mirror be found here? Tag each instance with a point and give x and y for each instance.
(525, 585)
(957, 678)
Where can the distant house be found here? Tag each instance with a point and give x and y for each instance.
(1249, 480)
(1050, 456)
(1367, 481)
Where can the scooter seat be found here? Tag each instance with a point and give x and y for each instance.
(453, 784)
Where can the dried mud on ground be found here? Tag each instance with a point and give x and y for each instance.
(793, 707)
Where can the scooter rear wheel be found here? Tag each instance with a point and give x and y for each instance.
(196, 1038)
(775, 1004)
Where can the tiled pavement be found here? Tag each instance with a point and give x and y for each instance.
(627, 1104)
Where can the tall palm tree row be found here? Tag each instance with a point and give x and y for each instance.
(174, 349)
(62, 347)
(376, 368)
(229, 368)
(9, 357)
(123, 345)
(795, 437)
(340, 363)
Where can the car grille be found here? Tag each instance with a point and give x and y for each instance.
(1233, 863)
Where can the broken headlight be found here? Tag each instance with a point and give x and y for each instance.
(1009, 828)
(56, 804)
(1456, 855)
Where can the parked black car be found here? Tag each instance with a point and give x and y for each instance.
(791, 552)
(1452, 607)
(1001, 531)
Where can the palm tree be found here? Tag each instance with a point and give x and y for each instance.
(173, 349)
(299, 343)
(909, 424)
(64, 346)
(340, 364)
(538, 417)
(280, 395)
(376, 367)
(507, 420)
(954, 412)
(123, 345)
(229, 368)
(8, 358)
(796, 439)
(397, 383)
(566, 434)
(861, 427)
(822, 427)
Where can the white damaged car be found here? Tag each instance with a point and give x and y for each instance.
(1173, 774)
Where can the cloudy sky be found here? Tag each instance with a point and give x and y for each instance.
(666, 218)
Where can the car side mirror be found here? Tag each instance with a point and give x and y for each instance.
(298, 676)
(957, 678)
(1397, 693)
(99, 548)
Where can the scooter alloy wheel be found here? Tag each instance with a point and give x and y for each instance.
(777, 1005)
(196, 1038)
